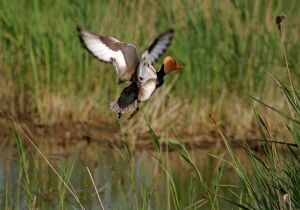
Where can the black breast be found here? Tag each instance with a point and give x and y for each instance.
(160, 77)
(160, 82)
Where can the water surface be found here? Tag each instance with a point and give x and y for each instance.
(121, 183)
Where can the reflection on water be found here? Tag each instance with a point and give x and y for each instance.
(112, 176)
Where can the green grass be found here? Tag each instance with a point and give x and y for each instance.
(269, 183)
(43, 185)
(242, 34)
(23, 172)
(226, 47)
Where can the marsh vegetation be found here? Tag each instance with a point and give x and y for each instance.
(241, 82)
(227, 48)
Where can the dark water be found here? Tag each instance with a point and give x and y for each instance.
(121, 183)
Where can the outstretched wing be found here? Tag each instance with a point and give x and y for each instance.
(159, 46)
(110, 50)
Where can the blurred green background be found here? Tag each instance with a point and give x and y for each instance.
(227, 47)
(51, 86)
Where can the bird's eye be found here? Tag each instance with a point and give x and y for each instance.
(141, 78)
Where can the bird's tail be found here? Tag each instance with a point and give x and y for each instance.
(115, 107)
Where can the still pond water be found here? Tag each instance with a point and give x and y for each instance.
(120, 183)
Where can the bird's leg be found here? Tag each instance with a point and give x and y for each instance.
(133, 113)
(119, 115)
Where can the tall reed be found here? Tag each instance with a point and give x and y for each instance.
(226, 48)
(271, 183)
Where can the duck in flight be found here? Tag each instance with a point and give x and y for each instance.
(123, 56)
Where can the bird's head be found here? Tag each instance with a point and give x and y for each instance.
(170, 64)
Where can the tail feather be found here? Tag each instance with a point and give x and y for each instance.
(114, 107)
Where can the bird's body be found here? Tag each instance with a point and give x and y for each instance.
(146, 90)
(143, 76)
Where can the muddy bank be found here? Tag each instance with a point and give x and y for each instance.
(109, 135)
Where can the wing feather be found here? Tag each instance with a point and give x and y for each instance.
(159, 46)
(109, 50)
(96, 45)
(145, 72)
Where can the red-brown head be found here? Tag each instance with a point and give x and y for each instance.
(170, 64)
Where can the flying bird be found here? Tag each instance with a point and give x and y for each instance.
(123, 56)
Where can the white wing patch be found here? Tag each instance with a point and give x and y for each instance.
(120, 63)
(101, 51)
